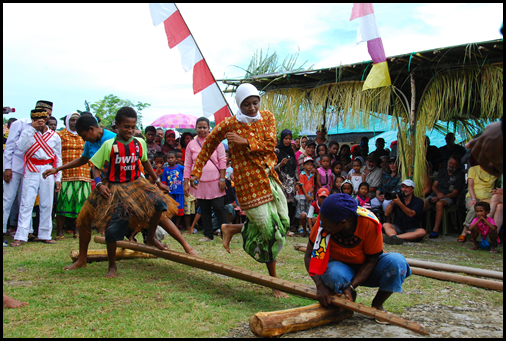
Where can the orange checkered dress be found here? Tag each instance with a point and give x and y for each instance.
(72, 147)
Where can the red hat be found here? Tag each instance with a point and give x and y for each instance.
(323, 192)
(307, 158)
(355, 148)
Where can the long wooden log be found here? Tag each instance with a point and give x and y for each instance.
(275, 323)
(455, 268)
(268, 281)
(101, 255)
(478, 282)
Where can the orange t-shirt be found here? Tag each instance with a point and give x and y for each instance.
(366, 241)
(307, 182)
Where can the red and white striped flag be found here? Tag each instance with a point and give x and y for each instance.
(368, 31)
(179, 35)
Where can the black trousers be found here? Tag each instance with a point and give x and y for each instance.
(218, 206)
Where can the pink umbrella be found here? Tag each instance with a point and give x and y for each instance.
(175, 121)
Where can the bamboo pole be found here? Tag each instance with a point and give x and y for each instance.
(101, 255)
(478, 282)
(412, 125)
(275, 323)
(455, 268)
(268, 281)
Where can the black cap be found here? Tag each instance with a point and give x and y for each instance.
(44, 104)
(38, 113)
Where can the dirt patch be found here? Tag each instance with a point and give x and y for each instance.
(471, 320)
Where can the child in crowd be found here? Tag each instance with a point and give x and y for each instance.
(338, 183)
(485, 226)
(305, 196)
(179, 157)
(125, 198)
(355, 176)
(314, 210)
(310, 151)
(333, 150)
(362, 199)
(172, 177)
(324, 176)
(159, 159)
(347, 188)
(320, 151)
(337, 169)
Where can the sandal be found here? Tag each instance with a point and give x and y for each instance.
(77, 236)
(50, 241)
(59, 237)
(462, 239)
(16, 243)
(493, 251)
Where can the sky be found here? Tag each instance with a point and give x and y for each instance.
(69, 53)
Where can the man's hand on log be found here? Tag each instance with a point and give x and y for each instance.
(323, 294)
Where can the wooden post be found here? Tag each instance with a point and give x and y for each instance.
(455, 268)
(277, 323)
(268, 281)
(412, 125)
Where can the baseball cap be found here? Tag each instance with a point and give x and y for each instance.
(306, 159)
(323, 192)
(409, 182)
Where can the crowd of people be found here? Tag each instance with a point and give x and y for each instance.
(349, 201)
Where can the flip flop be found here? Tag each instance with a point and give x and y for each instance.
(59, 237)
(494, 251)
(50, 241)
(381, 322)
(16, 243)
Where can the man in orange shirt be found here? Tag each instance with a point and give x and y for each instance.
(350, 253)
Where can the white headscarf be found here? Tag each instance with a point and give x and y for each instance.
(244, 91)
(68, 119)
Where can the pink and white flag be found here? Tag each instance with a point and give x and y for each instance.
(368, 31)
(178, 35)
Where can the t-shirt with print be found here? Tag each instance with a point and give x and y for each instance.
(448, 183)
(173, 178)
(366, 241)
(131, 162)
(307, 182)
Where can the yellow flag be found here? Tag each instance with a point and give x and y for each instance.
(378, 77)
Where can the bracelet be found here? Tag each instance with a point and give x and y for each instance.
(157, 180)
(351, 287)
(98, 184)
(223, 180)
(97, 180)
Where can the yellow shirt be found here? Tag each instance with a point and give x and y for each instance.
(483, 182)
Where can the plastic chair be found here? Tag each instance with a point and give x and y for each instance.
(446, 211)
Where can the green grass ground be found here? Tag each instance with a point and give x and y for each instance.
(160, 298)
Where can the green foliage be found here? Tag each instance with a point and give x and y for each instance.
(5, 120)
(106, 109)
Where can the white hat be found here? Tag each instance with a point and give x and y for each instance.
(409, 182)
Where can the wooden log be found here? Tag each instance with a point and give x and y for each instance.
(477, 282)
(447, 267)
(268, 281)
(455, 268)
(275, 323)
(101, 255)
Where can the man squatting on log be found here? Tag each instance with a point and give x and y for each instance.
(345, 250)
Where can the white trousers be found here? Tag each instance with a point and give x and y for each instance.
(376, 203)
(10, 193)
(33, 183)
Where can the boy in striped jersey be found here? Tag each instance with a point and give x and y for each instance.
(123, 197)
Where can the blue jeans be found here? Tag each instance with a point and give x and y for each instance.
(389, 274)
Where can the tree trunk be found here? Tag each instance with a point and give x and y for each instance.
(277, 323)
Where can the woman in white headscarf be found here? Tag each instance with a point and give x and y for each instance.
(75, 182)
(251, 136)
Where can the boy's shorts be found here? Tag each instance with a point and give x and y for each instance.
(302, 206)
(179, 198)
(117, 227)
(189, 205)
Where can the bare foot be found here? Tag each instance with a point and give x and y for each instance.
(279, 294)
(78, 264)
(226, 231)
(112, 272)
(157, 244)
(474, 248)
(191, 251)
(10, 302)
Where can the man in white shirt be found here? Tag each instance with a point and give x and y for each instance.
(41, 149)
(373, 174)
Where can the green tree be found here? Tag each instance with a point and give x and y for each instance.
(106, 109)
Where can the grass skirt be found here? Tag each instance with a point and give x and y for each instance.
(264, 232)
(71, 198)
(134, 200)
